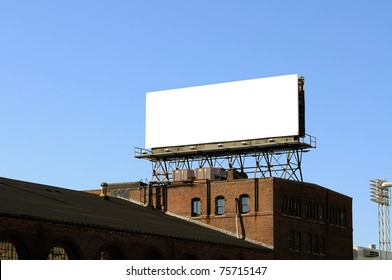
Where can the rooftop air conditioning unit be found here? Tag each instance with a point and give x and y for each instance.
(183, 175)
(210, 173)
(371, 253)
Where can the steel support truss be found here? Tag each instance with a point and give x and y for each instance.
(257, 164)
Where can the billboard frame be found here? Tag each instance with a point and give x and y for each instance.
(165, 110)
(275, 156)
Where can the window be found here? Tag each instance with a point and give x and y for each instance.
(309, 210)
(297, 208)
(109, 253)
(343, 218)
(298, 241)
(196, 207)
(220, 205)
(154, 255)
(284, 205)
(295, 240)
(310, 243)
(321, 213)
(338, 217)
(322, 245)
(244, 204)
(315, 212)
(8, 251)
(316, 244)
(189, 256)
(291, 206)
(58, 253)
(105, 255)
(291, 240)
(331, 216)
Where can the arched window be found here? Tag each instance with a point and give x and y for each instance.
(189, 256)
(244, 204)
(154, 255)
(8, 251)
(105, 255)
(220, 205)
(109, 253)
(57, 253)
(196, 207)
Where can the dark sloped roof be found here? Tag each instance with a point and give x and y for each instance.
(37, 201)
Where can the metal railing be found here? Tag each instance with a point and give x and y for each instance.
(140, 152)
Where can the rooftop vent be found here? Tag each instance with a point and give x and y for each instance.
(371, 253)
(104, 188)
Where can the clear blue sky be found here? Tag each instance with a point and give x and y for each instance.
(73, 78)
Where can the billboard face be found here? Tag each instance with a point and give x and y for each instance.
(234, 111)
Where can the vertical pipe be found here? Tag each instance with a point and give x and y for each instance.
(208, 197)
(236, 217)
(256, 194)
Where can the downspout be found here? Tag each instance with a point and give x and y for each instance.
(236, 217)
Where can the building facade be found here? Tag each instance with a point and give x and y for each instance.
(45, 222)
(298, 220)
(370, 253)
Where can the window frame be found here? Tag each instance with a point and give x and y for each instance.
(59, 252)
(196, 205)
(10, 250)
(284, 205)
(321, 214)
(220, 209)
(242, 204)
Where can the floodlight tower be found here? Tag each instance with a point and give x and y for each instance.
(380, 194)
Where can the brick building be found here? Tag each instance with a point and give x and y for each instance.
(45, 222)
(298, 220)
(264, 218)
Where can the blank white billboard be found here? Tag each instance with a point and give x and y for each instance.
(234, 111)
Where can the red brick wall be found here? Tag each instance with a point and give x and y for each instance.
(338, 239)
(267, 224)
(34, 239)
(257, 225)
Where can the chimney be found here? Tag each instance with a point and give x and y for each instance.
(230, 174)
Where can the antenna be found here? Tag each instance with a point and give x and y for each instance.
(380, 193)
